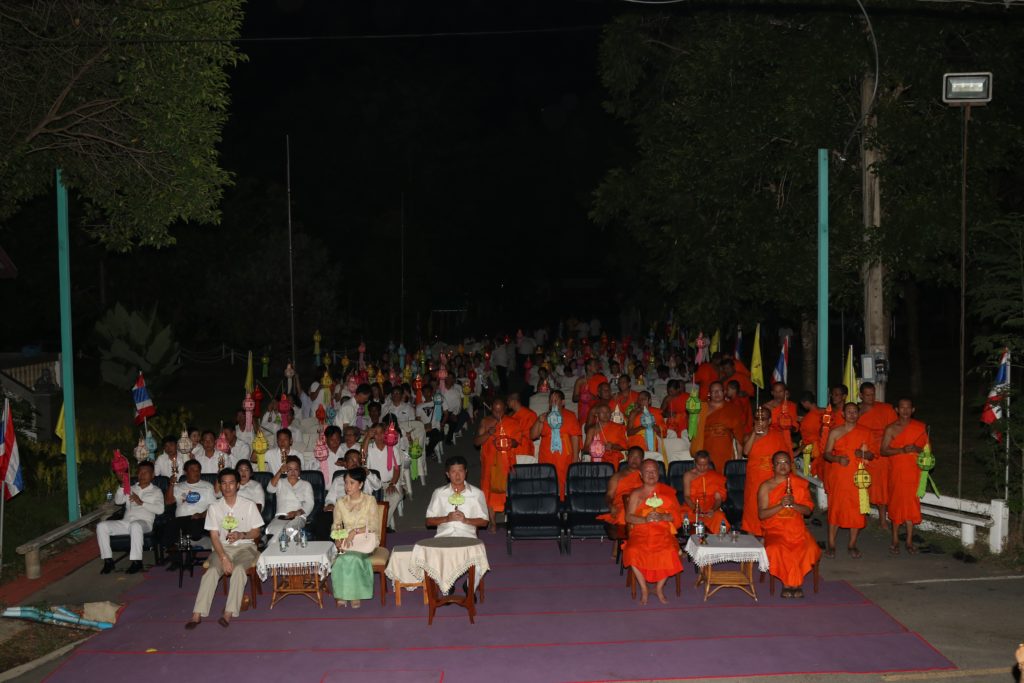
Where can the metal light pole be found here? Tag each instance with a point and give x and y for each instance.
(964, 90)
(822, 278)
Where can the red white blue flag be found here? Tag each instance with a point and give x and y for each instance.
(143, 403)
(993, 410)
(781, 371)
(10, 461)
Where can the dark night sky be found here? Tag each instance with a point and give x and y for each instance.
(497, 141)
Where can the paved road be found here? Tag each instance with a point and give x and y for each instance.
(969, 612)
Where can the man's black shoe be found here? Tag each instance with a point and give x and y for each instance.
(108, 566)
(134, 568)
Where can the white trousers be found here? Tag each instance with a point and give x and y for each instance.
(119, 527)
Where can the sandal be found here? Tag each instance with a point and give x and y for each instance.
(894, 549)
(786, 593)
(356, 604)
(798, 592)
(911, 550)
(854, 552)
(830, 552)
(341, 603)
(224, 622)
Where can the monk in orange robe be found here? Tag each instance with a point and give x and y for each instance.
(636, 430)
(783, 412)
(782, 502)
(652, 551)
(498, 437)
(875, 416)
(585, 391)
(847, 445)
(721, 426)
(605, 441)
(566, 448)
(833, 418)
(810, 432)
(526, 419)
(734, 396)
(731, 372)
(625, 398)
(759, 449)
(901, 443)
(674, 407)
(706, 374)
(705, 489)
(620, 484)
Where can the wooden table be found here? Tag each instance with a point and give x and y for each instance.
(297, 570)
(745, 550)
(442, 561)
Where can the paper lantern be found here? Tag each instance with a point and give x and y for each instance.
(862, 480)
(184, 445)
(140, 451)
(284, 406)
(926, 462)
(257, 395)
(259, 447)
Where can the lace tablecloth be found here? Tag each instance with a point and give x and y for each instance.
(446, 559)
(719, 549)
(317, 556)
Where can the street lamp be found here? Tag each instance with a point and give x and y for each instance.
(964, 90)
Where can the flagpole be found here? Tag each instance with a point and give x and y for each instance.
(3, 488)
(1006, 483)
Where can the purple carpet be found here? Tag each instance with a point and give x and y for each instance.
(547, 617)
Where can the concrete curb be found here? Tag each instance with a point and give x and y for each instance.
(11, 674)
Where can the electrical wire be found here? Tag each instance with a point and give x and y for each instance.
(874, 90)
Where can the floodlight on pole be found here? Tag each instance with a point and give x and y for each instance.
(964, 90)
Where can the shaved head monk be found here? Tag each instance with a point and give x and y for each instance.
(622, 483)
(652, 551)
(604, 441)
(765, 441)
(782, 503)
(707, 373)
(559, 433)
(526, 419)
(498, 437)
(705, 490)
(902, 441)
(875, 416)
(847, 447)
(719, 429)
(645, 426)
(585, 391)
(783, 412)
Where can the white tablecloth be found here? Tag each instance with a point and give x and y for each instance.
(745, 549)
(400, 567)
(446, 559)
(316, 556)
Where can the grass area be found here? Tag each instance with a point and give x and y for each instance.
(28, 516)
(34, 641)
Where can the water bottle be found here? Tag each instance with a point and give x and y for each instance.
(723, 529)
(110, 496)
(698, 529)
(303, 539)
(282, 541)
(686, 525)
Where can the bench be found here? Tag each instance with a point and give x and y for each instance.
(30, 550)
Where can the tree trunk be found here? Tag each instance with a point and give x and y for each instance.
(912, 300)
(809, 348)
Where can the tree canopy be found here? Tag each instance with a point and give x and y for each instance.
(128, 99)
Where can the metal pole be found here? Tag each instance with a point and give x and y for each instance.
(67, 351)
(291, 273)
(963, 301)
(401, 309)
(822, 278)
(1006, 485)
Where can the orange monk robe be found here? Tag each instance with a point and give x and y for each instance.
(843, 496)
(837, 421)
(490, 456)
(875, 421)
(704, 377)
(746, 385)
(721, 427)
(628, 482)
(560, 459)
(792, 551)
(785, 412)
(640, 438)
(677, 407)
(810, 432)
(612, 433)
(742, 404)
(759, 470)
(588, 394)
(703, 488)
(652, 548)
(622, 401)
(525, 417)
(905, 475)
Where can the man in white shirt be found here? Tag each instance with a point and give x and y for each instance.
(425, 413)
(353, 411)
(245, 436)
(457, 509)
(275, 457)
(142, 505)
(397, 405)
(390, 469)
(209, 458)
(524, 349)
(191, 499)
(295, 498)
(234, 524)
(501, 361)
(455, 416)
(240, 450)
(167, 463)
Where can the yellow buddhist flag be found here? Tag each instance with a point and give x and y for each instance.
(249, 383)
(850, 379)
(716, 342)
(756, 370)
(59, 431)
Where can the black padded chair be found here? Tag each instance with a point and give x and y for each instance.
(735, 478)
(532, 508)
(676, 471)
(662, 477)
(585, 486)
(122, 543)
(316, 480)
(210, 478)
(269, 499)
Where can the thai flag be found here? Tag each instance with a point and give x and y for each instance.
(781, 371)
(143, 403)
(10, 461)
(994, 405)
